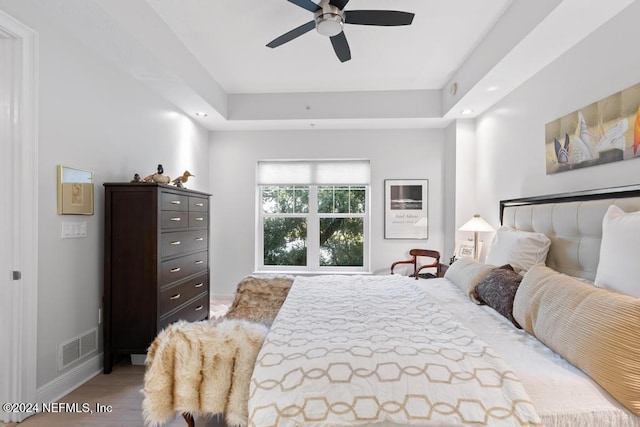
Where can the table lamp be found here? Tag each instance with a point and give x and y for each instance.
(476, 224)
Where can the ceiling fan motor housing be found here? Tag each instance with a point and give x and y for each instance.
(329, 20)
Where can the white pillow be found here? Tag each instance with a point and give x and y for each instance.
(521, 249)
(619, 267)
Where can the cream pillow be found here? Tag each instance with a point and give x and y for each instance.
(619, 266)
(521, 249)
(466, 273)
(596, 330)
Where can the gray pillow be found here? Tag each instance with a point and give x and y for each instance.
(498, 290)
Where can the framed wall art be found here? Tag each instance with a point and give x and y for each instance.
(75, 191)
(405, 208)
(605, 131)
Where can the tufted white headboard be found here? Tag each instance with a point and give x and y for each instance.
(573, 222)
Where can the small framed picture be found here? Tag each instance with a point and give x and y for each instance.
(464, 249)
(75, 191)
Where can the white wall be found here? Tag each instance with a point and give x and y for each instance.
(510, 136)
(95, 117)
(394, 154)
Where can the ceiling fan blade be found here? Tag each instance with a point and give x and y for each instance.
(378, 17)
(306, 4)
(341, 47)
(296, 32)
(340, 4)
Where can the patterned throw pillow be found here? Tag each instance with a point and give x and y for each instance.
(498, 290)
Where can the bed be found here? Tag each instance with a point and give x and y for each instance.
(388, 350)
(308, 372)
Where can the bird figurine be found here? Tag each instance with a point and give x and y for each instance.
(182, 179)
(159, 177)
(136, 178)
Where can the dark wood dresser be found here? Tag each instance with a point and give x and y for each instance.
(156, 263)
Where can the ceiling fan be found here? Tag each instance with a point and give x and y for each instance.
(330, 17)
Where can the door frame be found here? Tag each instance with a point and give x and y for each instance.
(18, 365)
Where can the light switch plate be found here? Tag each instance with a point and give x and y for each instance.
(74, 230)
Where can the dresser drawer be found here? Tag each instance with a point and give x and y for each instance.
(196, 310)
(171, 298)
(174, 202)
(180, 268)
(198, 204)
(198, 219)
(174, 219)
(178, 242)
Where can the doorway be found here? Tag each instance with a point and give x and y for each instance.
(18, 214)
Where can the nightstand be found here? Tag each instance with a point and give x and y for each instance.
(442, 268)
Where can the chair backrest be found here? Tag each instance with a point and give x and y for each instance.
(425, 252)
(415, 253)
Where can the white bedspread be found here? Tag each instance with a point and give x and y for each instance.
(563, 395)
(379, 349)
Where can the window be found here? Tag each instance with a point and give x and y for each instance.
(313, 216)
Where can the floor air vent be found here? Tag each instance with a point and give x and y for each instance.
(76, 348)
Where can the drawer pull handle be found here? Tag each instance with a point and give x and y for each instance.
(175, 242)
(175, 297)
(176, 218)
(175, 202)
(198, 308)
(199, 239)
(199, 218)
(174, 270)
(199, 262)
(199, 285)
(199, 205)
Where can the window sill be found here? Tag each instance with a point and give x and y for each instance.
(314, 273)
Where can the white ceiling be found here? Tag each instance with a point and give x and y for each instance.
(229, 36)
(210, 55)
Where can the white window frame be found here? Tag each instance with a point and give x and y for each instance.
(313, 234)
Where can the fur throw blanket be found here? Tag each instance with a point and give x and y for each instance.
(205, 367)
(259, 298)
(201, 368)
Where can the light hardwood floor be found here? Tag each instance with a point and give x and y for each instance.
(121, 390)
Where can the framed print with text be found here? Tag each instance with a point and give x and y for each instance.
(405, 208)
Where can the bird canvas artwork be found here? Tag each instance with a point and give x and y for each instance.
(605, 131)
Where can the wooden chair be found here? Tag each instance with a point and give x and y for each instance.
(415, 253)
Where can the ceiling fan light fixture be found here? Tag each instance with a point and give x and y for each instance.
(329, 18)
(329, 24)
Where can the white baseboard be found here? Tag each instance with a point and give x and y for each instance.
(70, 380)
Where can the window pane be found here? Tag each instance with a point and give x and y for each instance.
(341, 242)
(357, 202)
(286, 199)
(270, 199)
(285, 241)
(280, 199)
(341, 199)
(301, 196)
(325, 199)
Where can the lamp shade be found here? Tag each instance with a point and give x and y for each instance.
(476, 224)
